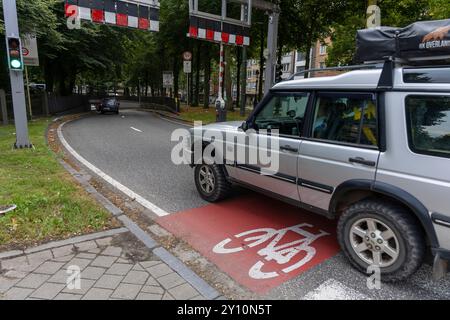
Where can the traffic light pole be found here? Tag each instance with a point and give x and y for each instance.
(16, 77)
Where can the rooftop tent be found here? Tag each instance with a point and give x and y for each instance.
(427, 40)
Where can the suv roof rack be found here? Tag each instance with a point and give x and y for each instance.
(376, 65)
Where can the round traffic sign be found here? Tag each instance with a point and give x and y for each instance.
(187, 56)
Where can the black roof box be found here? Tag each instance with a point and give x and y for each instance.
(427, 40)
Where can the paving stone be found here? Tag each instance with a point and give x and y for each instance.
(136, 277)
(104, 242)
(122, 260)
(171, 280)
(14, 274)
(85, 246)
(85, 255)
(148, 264)
(103, 261)
(167, 296)
(137, 267)
(68, 296)
(183, 292)
(108, 281)
(64, 258)
(126, 291)
(152, 282)
(63, 251)
(98, 294)
(17, 294)
(33, 281)
(59, 277)
(7, 283)
(93, 273)
(49, 267)
(14, 263)
(96, 251)
(85, 285)
(119, 269)
(198, 298)
(112, 251)
(152, 289)
(81, 263)
(148, 296)
(39, 257)
(159, 270)
(47, 291)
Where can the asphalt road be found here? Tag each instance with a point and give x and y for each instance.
(135, 149)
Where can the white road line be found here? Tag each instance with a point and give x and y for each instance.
(130, 193)
(334, 290)
(133, 128)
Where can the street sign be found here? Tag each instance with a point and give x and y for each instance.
(187, 56)
(30, 50)
(187, 67)
(167, 79)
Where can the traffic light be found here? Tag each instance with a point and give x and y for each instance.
(279, 73)
(15, 60)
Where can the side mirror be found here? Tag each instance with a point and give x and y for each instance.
(244, 126)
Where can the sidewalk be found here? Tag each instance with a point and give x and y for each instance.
(112, 267)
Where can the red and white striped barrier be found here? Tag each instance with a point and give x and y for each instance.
(216, 31)
(116, 12)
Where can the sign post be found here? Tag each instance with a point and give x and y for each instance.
(187, 68)
(30, 58)
(16, 77)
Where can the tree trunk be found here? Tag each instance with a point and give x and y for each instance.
(261, 65)
(195, 99)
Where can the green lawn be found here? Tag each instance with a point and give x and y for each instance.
(49, 204)
(208, 115)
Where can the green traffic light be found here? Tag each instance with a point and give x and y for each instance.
(16, 64)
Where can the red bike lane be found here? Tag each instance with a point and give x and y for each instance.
(258, 241)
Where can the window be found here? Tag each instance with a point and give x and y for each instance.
(300, 69)
(347, 118)
(300, 56)
(426, 75)
(322, 65)
(323, 49)
(284, 112)
(428, 120)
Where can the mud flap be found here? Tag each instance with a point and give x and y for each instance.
(440, 267)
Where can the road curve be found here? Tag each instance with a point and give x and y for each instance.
(134, 148)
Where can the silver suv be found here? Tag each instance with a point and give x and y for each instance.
(370, 147)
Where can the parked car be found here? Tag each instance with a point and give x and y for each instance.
(109, 105)
(369, 147)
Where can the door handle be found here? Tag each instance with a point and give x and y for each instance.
(363, 161)
(288, 148)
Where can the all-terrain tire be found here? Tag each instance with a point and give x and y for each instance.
(222, 187)
(410, 237)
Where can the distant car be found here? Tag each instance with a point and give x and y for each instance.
(109, 105)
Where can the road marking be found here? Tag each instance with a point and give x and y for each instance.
(130, 193)
(133, 128)
(334, 290)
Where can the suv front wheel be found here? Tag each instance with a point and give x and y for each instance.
(382, 234)
(211, 182)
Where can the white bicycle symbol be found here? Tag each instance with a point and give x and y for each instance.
(282, 254)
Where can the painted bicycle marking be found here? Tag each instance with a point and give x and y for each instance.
(282, 254)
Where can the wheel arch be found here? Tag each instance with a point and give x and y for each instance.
(357, 190)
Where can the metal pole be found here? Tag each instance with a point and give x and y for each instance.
(16, 77)
(272, 43)
(28, 92)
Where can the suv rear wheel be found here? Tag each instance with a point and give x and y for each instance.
(211, 182)
(379, 233)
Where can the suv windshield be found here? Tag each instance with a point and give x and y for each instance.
(429, 124)
(109, 102)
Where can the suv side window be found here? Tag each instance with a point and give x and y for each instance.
(284, 112)
(428, 119)
(346, 118)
